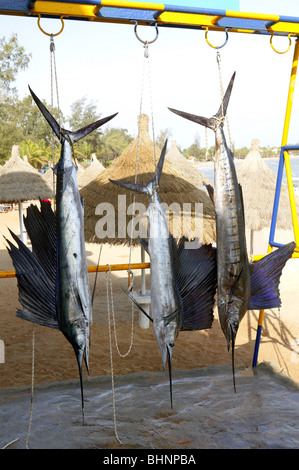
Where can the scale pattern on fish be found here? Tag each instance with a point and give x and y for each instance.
(53, 279)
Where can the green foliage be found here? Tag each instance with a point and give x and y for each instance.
(82, 114)
(241, 153)
(114, 141)
(38, 153)
(13, 59)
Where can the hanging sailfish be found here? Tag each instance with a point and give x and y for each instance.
(183, 281)
(241, 286)
(53, 279)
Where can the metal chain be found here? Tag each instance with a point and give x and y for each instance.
(53, 69)
(218, 58)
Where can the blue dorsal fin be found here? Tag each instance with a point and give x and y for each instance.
(265, 276)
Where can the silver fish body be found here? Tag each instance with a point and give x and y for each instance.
(165, 296)
(65, 300)
(233, 272)
(183, 281)
(240, 286)
(73, 299)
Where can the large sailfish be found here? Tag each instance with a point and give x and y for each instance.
(183, 281)
(240, 286)
(53, 280)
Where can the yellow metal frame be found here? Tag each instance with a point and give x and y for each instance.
(165, 15)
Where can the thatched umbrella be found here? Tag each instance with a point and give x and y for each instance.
(101, 195)
(187, 168)
(174, 188)
(258, 183)
(86, 176)
(20, 182)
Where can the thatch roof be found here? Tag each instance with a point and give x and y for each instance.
(86, 176)
(19, 181)
(174, 188)
(186, 167)
(258, 183)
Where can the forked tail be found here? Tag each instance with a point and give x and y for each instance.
(152, 184)
(216, 120)
(59, 131)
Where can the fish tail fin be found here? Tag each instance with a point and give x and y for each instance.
(265, 277)
(58, 131)
(153, 183)
(216, 120)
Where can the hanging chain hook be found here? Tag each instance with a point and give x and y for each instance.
(145, 43)
(281, 52)
(216, 47)
(50, 34)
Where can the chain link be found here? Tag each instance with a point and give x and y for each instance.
(218, 58)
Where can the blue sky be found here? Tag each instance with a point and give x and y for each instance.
(104, 62)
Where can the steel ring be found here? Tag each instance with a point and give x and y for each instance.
(216, 47)
(49, 34)
(141, 40)
(281, 52)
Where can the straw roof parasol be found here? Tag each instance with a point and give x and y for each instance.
(258, 183)
(86, 176)
(174, 188)
(186, 167)
(19, 181)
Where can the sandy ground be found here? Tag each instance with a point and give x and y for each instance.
(55, 359)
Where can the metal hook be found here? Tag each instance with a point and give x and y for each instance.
(216, 47)
(50, 34)
(281, 52)
(141, 40)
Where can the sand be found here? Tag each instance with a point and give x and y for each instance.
(55, 360)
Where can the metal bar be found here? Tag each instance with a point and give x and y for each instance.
(92, 269)
(285, 135)
(276, 198)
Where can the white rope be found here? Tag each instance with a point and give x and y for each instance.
(151, 105)
(111, 361)
(10, 443)
(206, 136)
(114, 323)
(32, 387)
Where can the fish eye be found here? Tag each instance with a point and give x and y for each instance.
(171, 345)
